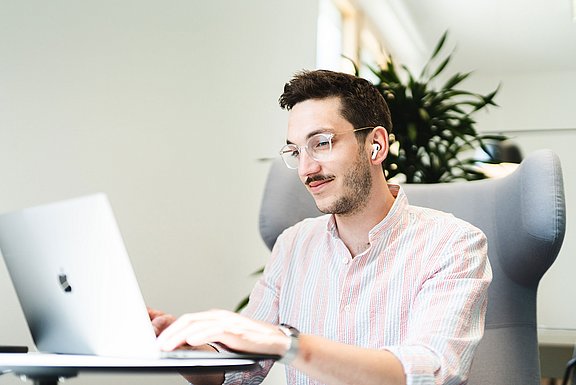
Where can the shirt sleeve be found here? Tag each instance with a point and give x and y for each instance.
(447, 320)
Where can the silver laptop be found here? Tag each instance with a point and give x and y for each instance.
(75, 283)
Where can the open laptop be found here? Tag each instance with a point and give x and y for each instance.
(75, 283)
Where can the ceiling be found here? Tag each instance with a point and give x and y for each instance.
(488, 35)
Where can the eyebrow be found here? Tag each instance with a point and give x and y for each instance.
(315, 132)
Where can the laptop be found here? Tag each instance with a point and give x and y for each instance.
(75, 282)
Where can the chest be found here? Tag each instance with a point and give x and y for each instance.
(364, 300)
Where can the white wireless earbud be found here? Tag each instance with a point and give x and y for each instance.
(375, 149)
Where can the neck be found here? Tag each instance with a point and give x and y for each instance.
(353, 229)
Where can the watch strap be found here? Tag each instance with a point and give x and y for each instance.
(293, 349)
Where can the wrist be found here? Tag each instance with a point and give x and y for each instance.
(293, 347)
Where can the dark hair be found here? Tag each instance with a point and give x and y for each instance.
(362, 104)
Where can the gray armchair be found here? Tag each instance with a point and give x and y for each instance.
(523, 216)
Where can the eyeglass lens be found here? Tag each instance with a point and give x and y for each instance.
(318, 148)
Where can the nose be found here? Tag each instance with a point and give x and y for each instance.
(307, 165)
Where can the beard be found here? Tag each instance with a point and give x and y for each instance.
(357, 186)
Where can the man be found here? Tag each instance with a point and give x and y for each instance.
(381, 292)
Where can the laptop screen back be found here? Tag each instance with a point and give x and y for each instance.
(74, 279)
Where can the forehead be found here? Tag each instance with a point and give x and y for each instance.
(315, 115)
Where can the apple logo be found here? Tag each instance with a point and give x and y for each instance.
(63, 280)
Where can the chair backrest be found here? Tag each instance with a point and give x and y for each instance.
(523, 216)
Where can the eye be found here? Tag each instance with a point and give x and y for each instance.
(291, 151)
(320, 142)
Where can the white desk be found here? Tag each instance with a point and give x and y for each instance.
(49, 369)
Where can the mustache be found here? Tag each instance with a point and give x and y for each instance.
(317, 178)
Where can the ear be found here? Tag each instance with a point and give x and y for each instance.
(379, 138)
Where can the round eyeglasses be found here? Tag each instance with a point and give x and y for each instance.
(318, 147)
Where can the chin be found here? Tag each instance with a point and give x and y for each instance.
(324, 207)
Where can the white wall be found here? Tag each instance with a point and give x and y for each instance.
(527, 100)
(164, 105)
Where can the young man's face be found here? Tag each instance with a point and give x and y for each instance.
(341, 184)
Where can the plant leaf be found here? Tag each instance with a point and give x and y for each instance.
(435, 53)
(441, 67)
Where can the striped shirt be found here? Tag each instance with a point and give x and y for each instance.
(418, 291)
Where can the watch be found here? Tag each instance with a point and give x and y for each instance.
(293, 348)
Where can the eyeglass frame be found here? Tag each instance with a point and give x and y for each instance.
(329, 135)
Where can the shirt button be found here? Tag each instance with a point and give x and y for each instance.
(345, 260)
(347, 308)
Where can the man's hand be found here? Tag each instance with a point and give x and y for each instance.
(327, 361)
(160, 320)
(230, 329)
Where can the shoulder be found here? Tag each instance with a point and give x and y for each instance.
(295, 242)
(308, 227)
(427, 220)
(442, 234)
(437, 220)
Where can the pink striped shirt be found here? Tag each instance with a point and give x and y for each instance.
(418, 291)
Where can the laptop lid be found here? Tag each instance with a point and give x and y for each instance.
(74, 280)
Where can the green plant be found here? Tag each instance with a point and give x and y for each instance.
(433, 128)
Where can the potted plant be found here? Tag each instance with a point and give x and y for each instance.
(433, 130)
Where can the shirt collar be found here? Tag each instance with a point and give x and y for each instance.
(395, 213)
